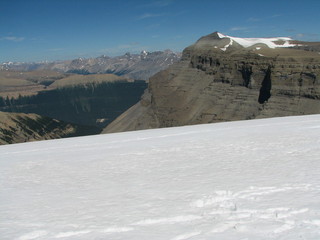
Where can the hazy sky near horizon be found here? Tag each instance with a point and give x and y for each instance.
(38, 30)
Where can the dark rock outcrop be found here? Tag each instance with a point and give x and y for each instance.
(220, 78)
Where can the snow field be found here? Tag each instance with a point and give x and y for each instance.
(256, 179)
(248, 42)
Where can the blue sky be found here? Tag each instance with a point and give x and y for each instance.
(36, 30)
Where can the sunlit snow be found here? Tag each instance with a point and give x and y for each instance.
(256, 179)
(270, 42)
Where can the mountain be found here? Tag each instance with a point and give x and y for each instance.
(224, 78)
(20, 127)
(135, 66)
(256, 179)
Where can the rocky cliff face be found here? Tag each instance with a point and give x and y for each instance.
(222, 78)
(20, 127)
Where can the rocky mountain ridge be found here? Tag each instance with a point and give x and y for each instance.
(135, 66)
(223, 78)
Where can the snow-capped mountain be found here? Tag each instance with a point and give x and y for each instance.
(256, 179)
(224, 78)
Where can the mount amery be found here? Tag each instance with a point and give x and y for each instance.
(224, 78)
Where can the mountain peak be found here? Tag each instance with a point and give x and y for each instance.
(216, 41)
(216, 35)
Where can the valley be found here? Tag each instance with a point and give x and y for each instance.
(71, 104)
(87, 92)
(91, 104)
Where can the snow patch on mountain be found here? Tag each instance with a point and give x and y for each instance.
(275, 42)
(226, 46)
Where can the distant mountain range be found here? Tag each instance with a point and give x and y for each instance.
(135, 66)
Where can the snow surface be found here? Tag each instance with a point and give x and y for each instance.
(270, 42)
(256, 179)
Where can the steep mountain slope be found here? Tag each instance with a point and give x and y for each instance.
(256, 179)
(20, 127)
(223, 78)
(135, 66)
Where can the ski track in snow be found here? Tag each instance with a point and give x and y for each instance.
(243, 180)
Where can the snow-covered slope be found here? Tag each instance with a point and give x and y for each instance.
(270, 42)
(256, 179)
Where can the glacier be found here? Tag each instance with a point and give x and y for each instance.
(270, 42)
(255, 179)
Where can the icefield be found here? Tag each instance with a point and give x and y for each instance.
(270, 42)
(256, 179)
